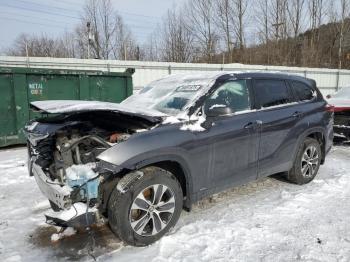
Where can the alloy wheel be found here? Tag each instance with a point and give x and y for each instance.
(309, 161)
(152, 210)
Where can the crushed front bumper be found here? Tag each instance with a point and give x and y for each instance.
(59, 195)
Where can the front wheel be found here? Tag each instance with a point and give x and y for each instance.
(145, 206)
(306, 163)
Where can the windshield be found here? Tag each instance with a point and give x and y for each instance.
(343, 93)
(171, 95)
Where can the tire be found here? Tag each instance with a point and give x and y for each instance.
(301, 172)
(151, 194)
(54, 207)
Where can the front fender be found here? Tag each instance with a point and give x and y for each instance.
(165, 140)
(143, 149)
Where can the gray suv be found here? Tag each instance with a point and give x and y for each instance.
(182, 138)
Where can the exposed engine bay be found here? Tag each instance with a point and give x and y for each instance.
(65, 149)
(70, 147)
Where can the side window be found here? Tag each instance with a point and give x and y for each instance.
(302, 91)
(233, 95)
(271, 92)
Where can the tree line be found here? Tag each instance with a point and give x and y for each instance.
(308, 33)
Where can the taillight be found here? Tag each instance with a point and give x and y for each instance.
(329, 108)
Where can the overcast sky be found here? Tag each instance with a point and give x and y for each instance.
(53, 17)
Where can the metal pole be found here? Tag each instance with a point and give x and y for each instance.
(27, 54)
(338, 78)
(169, 69)
(88, 32)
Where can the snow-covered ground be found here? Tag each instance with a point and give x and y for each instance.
(267, 220)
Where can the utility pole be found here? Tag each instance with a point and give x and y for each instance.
(88, 25)
(277, 29)
(27, 54)
(138, 53)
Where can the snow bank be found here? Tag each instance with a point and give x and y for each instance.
(267, 220)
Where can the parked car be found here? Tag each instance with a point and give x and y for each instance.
(182, 138)
(341, 106)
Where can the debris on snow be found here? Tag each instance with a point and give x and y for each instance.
(67, 232)
(76, 210)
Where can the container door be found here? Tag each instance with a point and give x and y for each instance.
(52, 87)
(7, 108)
(107, 88)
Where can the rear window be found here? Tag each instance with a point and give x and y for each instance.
(271, 93)
(302, 91)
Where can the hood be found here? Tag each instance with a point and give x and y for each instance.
(77, 106)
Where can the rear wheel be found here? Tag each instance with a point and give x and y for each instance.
(144, 208)
(306, 163)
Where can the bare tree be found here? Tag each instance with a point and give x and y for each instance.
(106, 35)
(240, 7)
(343, 28)
(262, 19)
(291, 32)
(200, 15)
(316, 13)
(152, 47)
(230, 19)
(40, 46)
(101, 16)
(176, 39)
(226, 24)
(296, 15)
(278, 13)
(124, 45)
(296, 19)
(278, 21)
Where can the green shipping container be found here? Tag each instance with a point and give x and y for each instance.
(21, 86)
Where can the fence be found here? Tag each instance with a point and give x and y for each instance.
(20, 86)
(328, 80)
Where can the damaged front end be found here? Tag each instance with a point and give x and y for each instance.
(62, 156)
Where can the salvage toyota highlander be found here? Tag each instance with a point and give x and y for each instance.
(139, 163)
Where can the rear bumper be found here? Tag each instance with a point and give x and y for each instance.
(60, 195)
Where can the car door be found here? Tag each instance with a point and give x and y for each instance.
(232, 135)
(279, 116)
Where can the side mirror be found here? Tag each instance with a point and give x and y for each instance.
(328, 96)
(218, 111)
